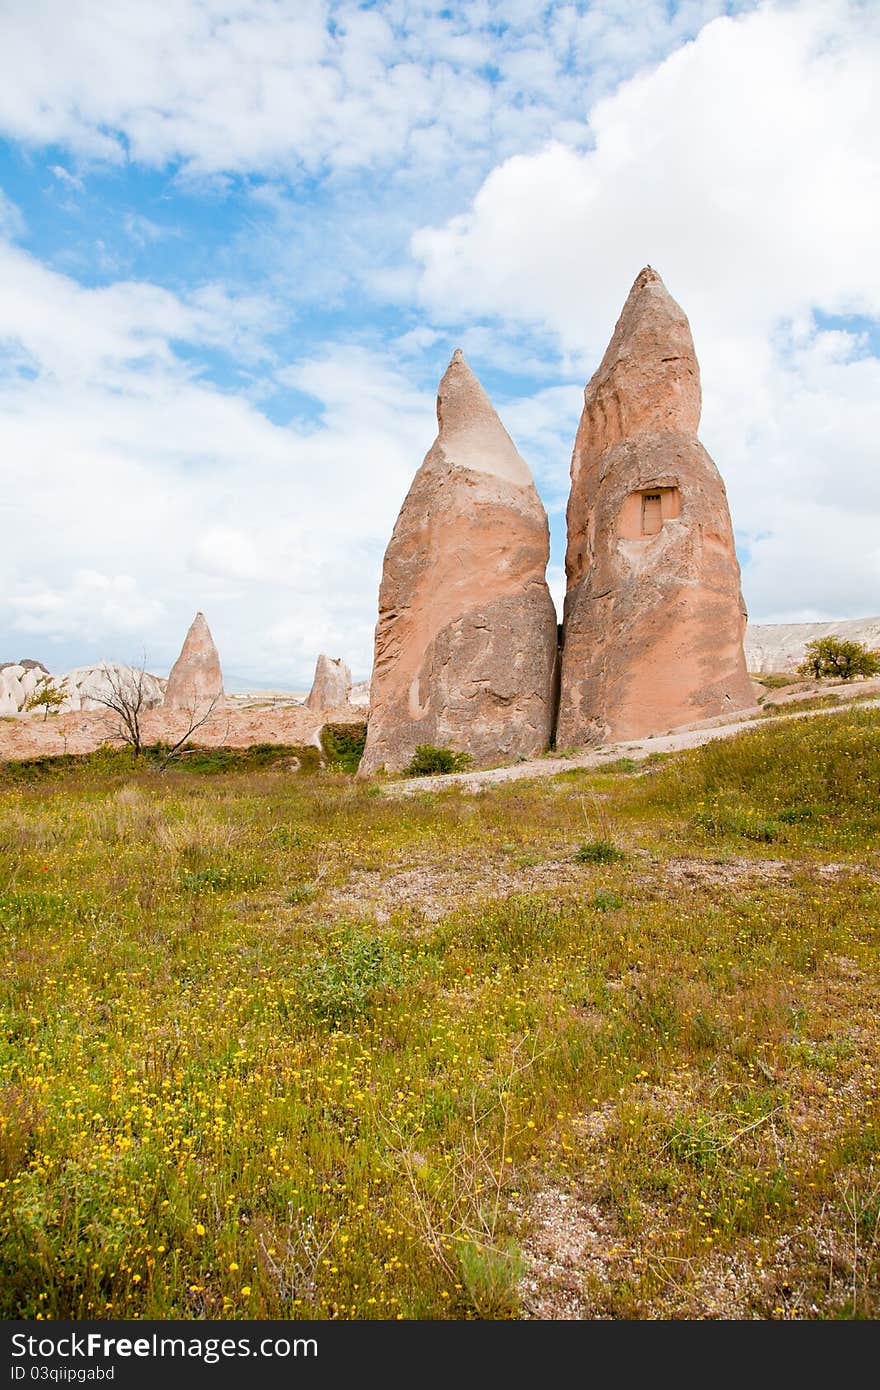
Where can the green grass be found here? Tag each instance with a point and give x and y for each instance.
(273, 1045)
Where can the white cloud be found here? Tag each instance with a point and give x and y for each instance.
(746, 169)
(145, 493)
(91, 605)
(225, 86)
(66, 178)
(11, 218)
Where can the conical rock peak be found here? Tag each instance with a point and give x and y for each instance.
(465, 648)
(471, 434)
(196, 679)
(649, 378)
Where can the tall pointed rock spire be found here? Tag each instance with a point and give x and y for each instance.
(465, 646)
(196, 679)
(654, 617)
(331, 686)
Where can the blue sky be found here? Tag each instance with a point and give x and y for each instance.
(240, 240)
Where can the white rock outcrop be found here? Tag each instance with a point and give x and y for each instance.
(781, 646)
(84, 683)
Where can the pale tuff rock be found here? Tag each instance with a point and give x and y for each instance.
(196, 680)
(84, 684)
(9, 705)
(26, 664)
(465, 647)
(18, 682)
(13, 695)
(81, 686)
(360, 695)
(781, 646)
(331, 687)
(654, 617)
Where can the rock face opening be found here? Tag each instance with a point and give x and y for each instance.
(465, 648)
(652, 514)
(654, 617)
(644, 513)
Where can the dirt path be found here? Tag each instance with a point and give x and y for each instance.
(595, 757)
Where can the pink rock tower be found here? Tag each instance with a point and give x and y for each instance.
(196, 680)
(465, 648)
(654, 616)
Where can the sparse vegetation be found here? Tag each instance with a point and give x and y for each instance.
(777, 680)
(225, 1091)
(125, 692)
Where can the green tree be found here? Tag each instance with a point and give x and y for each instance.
(46, 696)
(834, 657)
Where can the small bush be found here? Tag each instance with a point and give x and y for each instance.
(621, 765)
(301, 893)
(777, 680)
(344, 982)
(605, 900)
(491, 1277)
(209, 761)
(598, 852)
(427, 761)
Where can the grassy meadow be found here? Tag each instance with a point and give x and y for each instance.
(279, 1044)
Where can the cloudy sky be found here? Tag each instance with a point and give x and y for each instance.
(239, 240)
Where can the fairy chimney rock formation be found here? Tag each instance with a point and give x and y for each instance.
(196, 680)
(331, 687)
(654, 616)
(465, 649)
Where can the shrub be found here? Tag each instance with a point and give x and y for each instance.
(833, 657)
(343, 982)
(428, 760)
(776, 680)
(607, 901)
(255, 758)
(343, 746)
(301, 893)
(491, 1276)
(598, 852)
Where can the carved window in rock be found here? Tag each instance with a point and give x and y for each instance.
(652, 514)
(645, 512)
